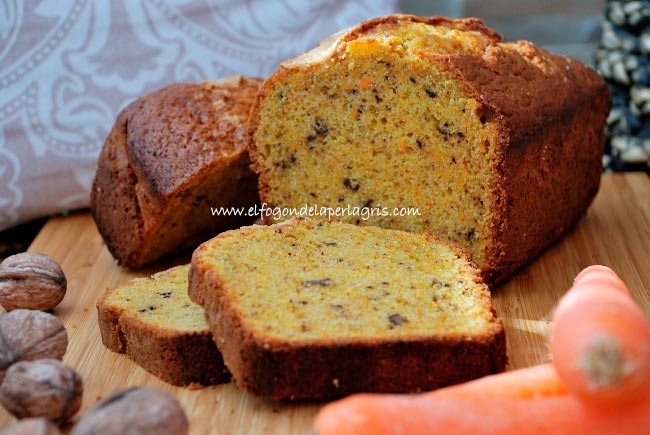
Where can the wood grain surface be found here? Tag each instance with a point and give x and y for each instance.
(615, 232)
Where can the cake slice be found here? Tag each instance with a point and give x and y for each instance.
(155, 323)
(310, 309)
(497, 144)
(172, 156)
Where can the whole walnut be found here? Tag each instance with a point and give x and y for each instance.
(136, 411)
(28, 335)
(42, 388)
(32, 281)
(31, 426)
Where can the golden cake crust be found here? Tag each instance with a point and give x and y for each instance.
(328, 367)
(550, 112)
(170, 156)
(183, 358)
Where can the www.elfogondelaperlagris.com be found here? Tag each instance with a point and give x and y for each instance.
(362, 212)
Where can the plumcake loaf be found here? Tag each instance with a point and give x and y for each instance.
(153, 321)
(498, 145)
(171, 156)
(310, 309)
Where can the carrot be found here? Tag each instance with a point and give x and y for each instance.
(599, 340)
(527, 401)
(601, 274)
(539, 380)
(597, 275)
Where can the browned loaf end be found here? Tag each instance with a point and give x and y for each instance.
(155, 323)
(497, 144)
(309, 309)
(171, 156)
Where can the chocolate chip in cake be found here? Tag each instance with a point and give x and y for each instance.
(444, 130)
(326, 282)
(149, 308)
(321, 127)
(430, 93)
(397, 320)
(351, 184)
(437, 282)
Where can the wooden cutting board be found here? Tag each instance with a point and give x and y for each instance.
(615, 232)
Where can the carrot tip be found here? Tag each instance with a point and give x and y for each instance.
(596, 269)
(604, 362)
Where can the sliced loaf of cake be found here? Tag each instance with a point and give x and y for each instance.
(310, 309)
(497, 144)
(155, 323)
(172, 156)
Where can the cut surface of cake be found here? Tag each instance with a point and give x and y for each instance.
(497, 144)
(310, 309)
(171, 157)
(155, 323)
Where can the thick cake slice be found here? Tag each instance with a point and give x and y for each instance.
(497, 144)
(310, 309)
(155, 323)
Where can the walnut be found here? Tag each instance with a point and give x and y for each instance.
(137, 410)
(42, 388)
(30, 280)
(31, 426)
(27, 335)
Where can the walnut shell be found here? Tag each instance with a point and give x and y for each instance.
(31, 426)
(27, 335)
(42, 388)
(137, 411)
(32, 281)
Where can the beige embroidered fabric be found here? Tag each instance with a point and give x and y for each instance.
(67, 67)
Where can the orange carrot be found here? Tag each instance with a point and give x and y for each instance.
(528, 401)
(535, 381)
(600, 341)
(601, 274)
